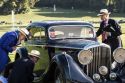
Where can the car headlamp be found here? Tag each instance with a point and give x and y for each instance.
(103, 70)
(119, 55)
(96, 77)
(85, 57)
(113, 76)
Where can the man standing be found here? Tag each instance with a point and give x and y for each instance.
(110, 30)
(22, 71)
(8, 43)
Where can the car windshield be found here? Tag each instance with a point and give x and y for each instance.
(70, 31)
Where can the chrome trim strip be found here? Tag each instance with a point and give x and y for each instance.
(68, 65)
(93, 46)
(55, 46)
(35, 45)
(85, 48)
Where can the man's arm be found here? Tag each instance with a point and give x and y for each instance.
(98, 33)
(116, 28)
(8, 68)
(30, 67)
(6, 41)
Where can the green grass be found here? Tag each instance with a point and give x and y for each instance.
(40, 14)
(12, 56)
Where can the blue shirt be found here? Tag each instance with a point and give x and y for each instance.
(7, 41)
(3, 79)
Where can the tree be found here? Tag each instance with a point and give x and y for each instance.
(32, 3)
(19, 6)
(122, 5)
(23, 6)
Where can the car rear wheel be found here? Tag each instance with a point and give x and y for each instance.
(21, 52)
(59, 76)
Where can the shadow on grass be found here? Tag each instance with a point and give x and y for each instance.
(48, 12)
(69, 13)
(63, 14)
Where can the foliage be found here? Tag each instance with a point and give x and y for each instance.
(19, 6)
(23, 6)
(112, 5)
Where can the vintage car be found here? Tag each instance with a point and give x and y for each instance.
(70, 52)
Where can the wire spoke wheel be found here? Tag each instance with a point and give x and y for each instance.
(59, 77)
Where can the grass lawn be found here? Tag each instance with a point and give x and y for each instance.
(40, 14)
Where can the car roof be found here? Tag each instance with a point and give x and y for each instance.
(54, 23)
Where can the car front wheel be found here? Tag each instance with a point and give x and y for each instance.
(59, 76)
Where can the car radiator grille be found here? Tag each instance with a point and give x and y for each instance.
(101, 57)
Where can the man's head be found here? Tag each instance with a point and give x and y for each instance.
(104, 14)
(34, 55)
(24, 33)
(52, 33)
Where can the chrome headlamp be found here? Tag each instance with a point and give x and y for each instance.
(113, 76)
(85, 57)
(96, 77)
(119, 55)
(103, 70)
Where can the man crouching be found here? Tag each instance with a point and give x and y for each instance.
(22, 71)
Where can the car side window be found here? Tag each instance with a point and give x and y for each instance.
(37, 35)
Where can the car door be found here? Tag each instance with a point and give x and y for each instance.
(37, 41)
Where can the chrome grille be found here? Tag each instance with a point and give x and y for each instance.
(101, 57)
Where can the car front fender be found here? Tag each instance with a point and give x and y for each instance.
(70, 69)
(21, 52)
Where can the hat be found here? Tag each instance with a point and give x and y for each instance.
(35, 53)
(104, 12)
(25, 32)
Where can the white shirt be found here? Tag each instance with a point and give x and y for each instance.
(3, 79)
